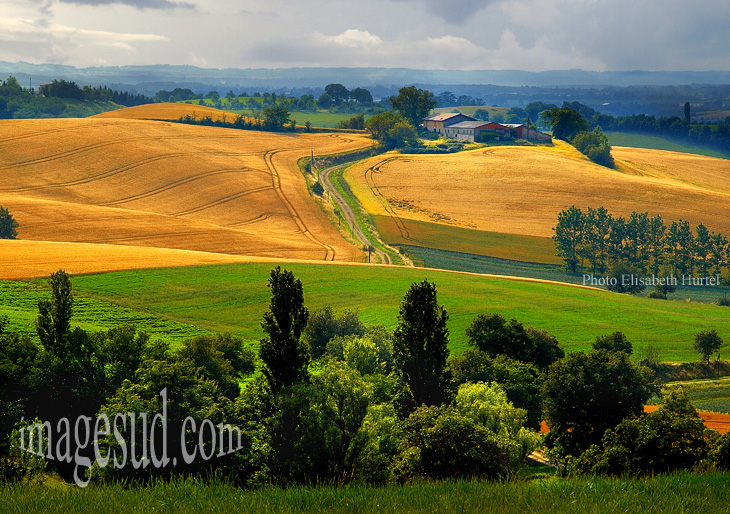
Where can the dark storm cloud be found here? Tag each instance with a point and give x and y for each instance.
(139, 4)
(456, 11)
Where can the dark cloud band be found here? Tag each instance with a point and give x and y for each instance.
(139, 4)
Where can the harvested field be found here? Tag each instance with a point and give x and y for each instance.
(713, 420)
(33, 259)
(521, 190)
(167, 111)
(168, 185)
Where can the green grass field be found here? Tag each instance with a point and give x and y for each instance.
(469, 110)
(668, 494)
(660, 143)
(233, 298)
(19, 301)
(465, 240)
(709, 395)
(443, 259)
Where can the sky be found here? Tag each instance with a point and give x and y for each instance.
(532, 35)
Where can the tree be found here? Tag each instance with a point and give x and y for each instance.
(275, 117)
(569, 236)
(670, 438)
(687, 113)
(357, 122)
(565, 122)
(544, 348)
(323, 326)
(706, 343)
(586, 394)
(54, 315)
(413, 104)
(8, 225)
(420, 344)
(221, 358)
(284, 356)
(481, 114)
(324, 101)
(496, 336)
(595, 146)
(391, 129)
(402, 135)
(361, 96)
(337, 92)
(615, 342)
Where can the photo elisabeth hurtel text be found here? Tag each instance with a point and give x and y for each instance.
(651, 281)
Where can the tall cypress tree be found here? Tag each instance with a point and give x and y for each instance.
(420, 345)
(285, 357)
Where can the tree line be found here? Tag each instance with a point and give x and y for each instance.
(598, 241)
(715, 135)
(330, 400)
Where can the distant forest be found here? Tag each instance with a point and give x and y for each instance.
(67, 99)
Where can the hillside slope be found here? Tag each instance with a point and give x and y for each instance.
(167, 111)
(521, 190)
(160, 184)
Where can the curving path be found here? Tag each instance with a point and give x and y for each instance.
(324, 179)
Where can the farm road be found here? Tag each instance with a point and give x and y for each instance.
(324, 178)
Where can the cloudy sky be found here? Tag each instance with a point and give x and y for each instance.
(534, 35)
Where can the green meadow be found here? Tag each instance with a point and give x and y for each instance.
(175, 303)
(633, 140)
(666, 494)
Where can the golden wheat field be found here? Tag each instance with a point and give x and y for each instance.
(168, 185)
(521, 190)
(31, 259)
(168, 111)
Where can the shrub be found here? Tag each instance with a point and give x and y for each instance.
(323, 326)
(668, 439)
(8, 225)
(440, 443)
(624, 279)
(724, 301)
(317, 189)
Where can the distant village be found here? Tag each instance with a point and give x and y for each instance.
(459, 126)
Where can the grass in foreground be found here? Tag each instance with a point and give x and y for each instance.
(233, 298)
(676, 493)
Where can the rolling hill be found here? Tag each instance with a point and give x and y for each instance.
(470, 197)
(167, 111)
(167, 185)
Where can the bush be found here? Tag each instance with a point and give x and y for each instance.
(521, 381)
(724, 301)
(317, 189)
(8, 225)
(440, 443)
(594, 145)
(323, 326)
(668, 439)
(623, 278)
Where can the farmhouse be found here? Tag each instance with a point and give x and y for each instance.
(524, 132)
(473, 130)
(438, 122)
(459, 126)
